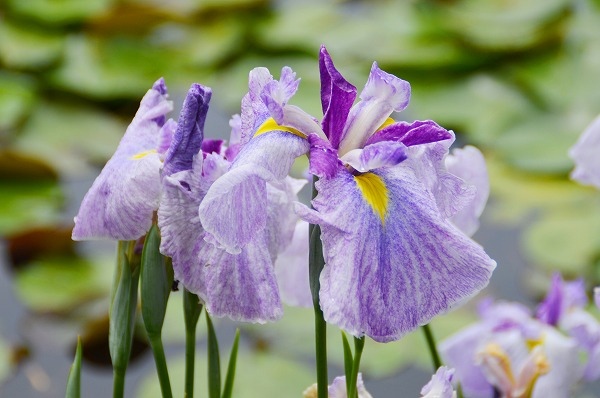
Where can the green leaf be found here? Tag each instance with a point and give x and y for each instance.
(61, 12)
(214, 362)
(155, 283)
(69, 137)
(28, 47)
(17, 98)
(348, 360)
(230, 378)
(74, 381)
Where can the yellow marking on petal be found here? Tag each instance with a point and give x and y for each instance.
(542, 367)
(532, 343)
(387, 122)
(374, 192)
(141, 155)
(495, 352)
(271, 125)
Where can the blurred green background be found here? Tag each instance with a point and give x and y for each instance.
(519, 79)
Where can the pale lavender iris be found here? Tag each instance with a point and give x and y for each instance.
(239, 285)
(440, 385)
(585, 155)
(511, 354)
(337, 389)
(123, 198)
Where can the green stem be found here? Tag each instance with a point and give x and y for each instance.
(161, 365)
(316, 264)
(435, 357)
(118, 382)
(191, 310)
(214, 365)
(359, 344)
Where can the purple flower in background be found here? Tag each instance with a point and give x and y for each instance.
(512, 355)
(337, 389)
(440, 385)
(585, 155)
(239, 285)
(123, 198)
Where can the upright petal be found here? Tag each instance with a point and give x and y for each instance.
(469, 165)
(383, 94)
(393, 262)
(276, 93)
(120, 203)
(337, 98)
(585, 155)
(189, 135)
(254, 111)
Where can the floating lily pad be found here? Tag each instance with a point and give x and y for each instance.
(27, 47)
(17, 97)
(57, 284)
(59, 12)
(258, 375)
(70, 137)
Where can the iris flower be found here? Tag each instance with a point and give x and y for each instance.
(123, 198)
(585, 155)
(440, 385)
(337, 389)
(241, 285)
(393, 258)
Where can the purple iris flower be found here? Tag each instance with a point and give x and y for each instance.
(337, 389)
(440, 385)
(585, 155)
(510, 354)
(240, 285)
(123, 198)
(394, 260)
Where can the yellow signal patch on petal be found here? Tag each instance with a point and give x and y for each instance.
(387, 122)
(271, 125)
(374, 192)
(141, 155)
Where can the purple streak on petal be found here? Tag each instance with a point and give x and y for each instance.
(212, 146)
(337, 97)
(414, 133)
(187, 141)
(242, 287)
(383, 94)
(161, 87)
(254, 111)
(291, 268)
(469, 165)
(374, 156)
(386, 280)
(235, 207)
(120, 203)
(550, 309)
(585, 155)
(440, 385)
(276, 93)
(323, 157)
(167, 132)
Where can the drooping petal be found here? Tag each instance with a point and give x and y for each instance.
(120, 203)
(189, 135)
(393, 262)
(322, 157)
(337, 97)
(234, 209)
(291, 268)
(469, 165)
(241, 286)
(374, 156)
(585, 155)
(383, 94)
(415, 133)
(440, 385)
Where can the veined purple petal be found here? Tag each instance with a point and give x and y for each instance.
(440, 385)
(383, 94)
(291, 268)
(469, 165)
(120, 203)
(414, 133)
(337, 389)
(337, 97)
(374, 156)
(235, 138)
(276, 93)
(234, 209)
(187, 141)
(243, 286)
(323, 157)
(254, 111)
(385, 276)
(562, 296)
(212, 146)
(585, 155)
(167, 132)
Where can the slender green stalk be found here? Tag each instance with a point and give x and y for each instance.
(230, 377)
(459, 391)
(348, 361)
(214, 364)
(161, 366)
(74, 381)
(118, 383)
(359, 344)
(435, 357)
(191, 312)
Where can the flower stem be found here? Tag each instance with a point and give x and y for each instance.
(316, 264)
(435, 357)
(191, 310)
(359, 344)
(161, 365)
(118, 383)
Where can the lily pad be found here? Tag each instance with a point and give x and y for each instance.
(61, 12)
(17, 97)
(27, 47)
(258, 375)
(69, 137)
